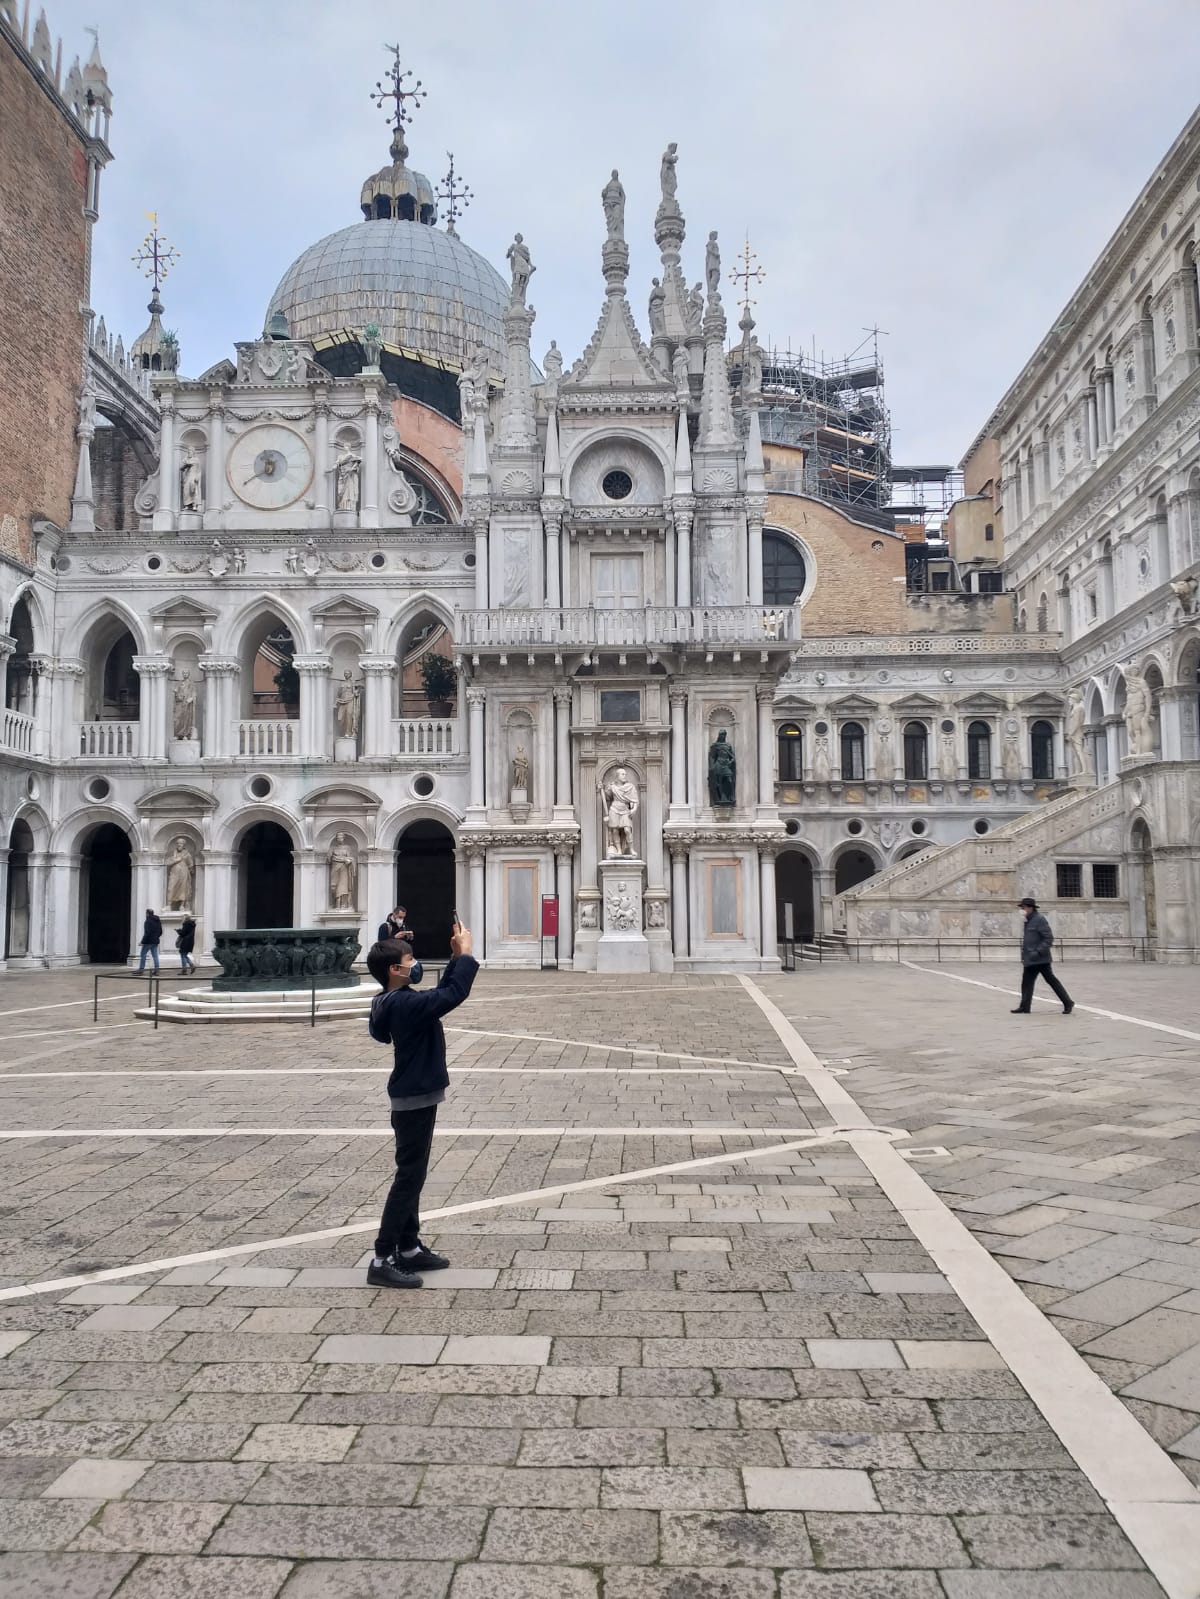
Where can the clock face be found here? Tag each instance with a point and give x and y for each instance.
(269, 467)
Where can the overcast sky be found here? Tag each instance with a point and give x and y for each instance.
(944, 169)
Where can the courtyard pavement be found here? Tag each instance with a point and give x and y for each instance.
(841, 1284)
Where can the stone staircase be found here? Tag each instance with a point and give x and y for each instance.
(203, 1005)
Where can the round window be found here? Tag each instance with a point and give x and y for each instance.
(617, 485)
(260, 787)
(981, 827)
(947, 726)
(469, 558)
(423, 786)
(821, 729)
(32, 787)
(62, 563)
(854, 826)
(791, 826)
(918, 826)
(153, 563)
(378, 560)
(99, 788)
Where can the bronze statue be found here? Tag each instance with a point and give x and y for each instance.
(722, 771)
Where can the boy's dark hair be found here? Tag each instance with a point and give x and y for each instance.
(385, 954)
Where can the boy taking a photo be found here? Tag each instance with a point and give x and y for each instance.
(411, 1023)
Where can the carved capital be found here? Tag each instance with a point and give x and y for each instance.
(152, 665)
(563, 694)
(476, 696)
(312, 665)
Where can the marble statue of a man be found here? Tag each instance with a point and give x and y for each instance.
(522, 269)
(347, 706)
(1138, 715)
(181, 876)
(183, 709)
(343, 873)
(189, 486)
(620, 797)
(348, 463)
(612, 197)
(1076, 725)
(520, 769)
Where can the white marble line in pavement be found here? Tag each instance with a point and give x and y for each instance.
(716, 1070)
(66, 1004)
(62, 1032)
(469, 1207)
(1151, 1499)
(697, 1130)
(1092, 1010)
(614, 1049)
(622, 994)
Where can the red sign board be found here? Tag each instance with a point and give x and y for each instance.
(549, 915)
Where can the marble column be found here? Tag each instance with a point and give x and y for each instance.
(679, 901)
(378, 672)
(168, 466)
(1110, 407)
(478, 909)
(652, 821)
(683, 549)
(679, 783)
(481, 566)
(765, 694)
(39, 872)
(1093, 423)
(756, 563)
(477, 749)
(553, 575)
(368, 515)
(214, 466)
(320, 487)
(562, 750)
(563, 855)
(154, 710)
(221, 710)
(770, 936)
(316, 711)
(589, 822)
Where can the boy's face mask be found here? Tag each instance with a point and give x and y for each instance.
(415, 973)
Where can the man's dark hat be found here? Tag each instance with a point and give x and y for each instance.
(1021, 904)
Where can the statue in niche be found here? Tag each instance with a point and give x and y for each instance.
(1139, 715)
(712, 266)
(343, 873)
(679, 371)
(668, 179)
(619, 798)
(522, 269)
(1076, 736)
(348, 481)
(820, 760)
(520, 770)
(658, 309)
(181, 875)
(189, 482)
(696, 305)
(552, 366)
(612, 197)
(347, 706)
(722, 771)
(183, 710)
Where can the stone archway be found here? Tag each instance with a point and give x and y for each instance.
(853, 866)
(425, 885)
(1143, 901)
(266, 877)
(794, 886)
(18, 910)
(106, 895)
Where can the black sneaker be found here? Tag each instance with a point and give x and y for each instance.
(391, 1275)
(1020, 1011)
(1068, 1007)
(423, 1260)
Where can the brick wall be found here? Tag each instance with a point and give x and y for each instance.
(43, 176)
(860, 570)
(116, 474)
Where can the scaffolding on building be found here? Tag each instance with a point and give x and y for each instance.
(834, 414)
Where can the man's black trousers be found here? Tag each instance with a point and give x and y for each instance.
(400, 1227)
(1030, 975)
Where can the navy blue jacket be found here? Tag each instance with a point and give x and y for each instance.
(1036, 941)
(409, 1020)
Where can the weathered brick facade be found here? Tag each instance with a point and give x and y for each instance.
(43, 282)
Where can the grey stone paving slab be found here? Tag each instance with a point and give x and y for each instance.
(344, 1532)
(1049, 1585)
(488, 1446)
(386, 1578)
(212, 1577)
(885, 1542)
(697, 1582)
(297, 1441)
(860, 1585)
(735, 1538)
(351, 1349)
(1081, 1543)
(36, 1576)
(552, 1537)
(488, 1581)
(335, 1484)
(151, 1528)
(96, 1479)
(809, 1488)
(182, 1481)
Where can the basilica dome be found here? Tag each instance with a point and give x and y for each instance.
(429, 293)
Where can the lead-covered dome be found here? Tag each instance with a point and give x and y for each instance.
(426, 290)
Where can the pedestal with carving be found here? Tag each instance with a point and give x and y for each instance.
(622, 946)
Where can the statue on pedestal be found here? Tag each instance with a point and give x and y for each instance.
(658, 309)
(189, 482)
(668, 179)
(520, 770)
(620, 801)
(343, 873)
(183, 712)
(612, 197)
(1076, 725)
(1139, 715)
(348, 463)
(522, 269)
(181, 876)
(722, 771)
(712, 266)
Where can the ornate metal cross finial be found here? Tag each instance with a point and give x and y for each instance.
(154, 255)
(401, 95)
(745, 274)
(456, 195)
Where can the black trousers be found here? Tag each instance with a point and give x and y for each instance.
(400, 1227)
(1030, 975)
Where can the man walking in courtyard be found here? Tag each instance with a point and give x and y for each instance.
(151, 934)
(411, 1023)
(1036, 943)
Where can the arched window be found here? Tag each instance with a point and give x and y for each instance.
(784, 574)
(18, 685)
(1043, 613)
(1030, 481)
(1041, 749)
(979, 750)
(1160, 541)
(854, 759)
(916, 751)
(791, 753)
(1148, 323)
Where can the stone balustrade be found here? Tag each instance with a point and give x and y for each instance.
(108, 740)
(262, 737)
(16, 732)
(426, 735)
(650, 626)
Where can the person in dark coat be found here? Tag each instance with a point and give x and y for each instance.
(1036, 943)
(151, 935)
(411, 1023)
(396, 926)
(185, 943)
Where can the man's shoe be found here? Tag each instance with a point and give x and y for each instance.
(1019, 1011)
(391, 1275)
(1068, 1007)
(423, 1260)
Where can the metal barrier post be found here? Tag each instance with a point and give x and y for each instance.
(312, 1020)
(96, 998)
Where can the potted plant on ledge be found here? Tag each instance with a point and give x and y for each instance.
(439, 679)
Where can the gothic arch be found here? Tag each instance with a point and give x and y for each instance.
(36, 611)
(110, 612)
(36, 821)
(626, 445)
(415, 606)
(233, 634)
